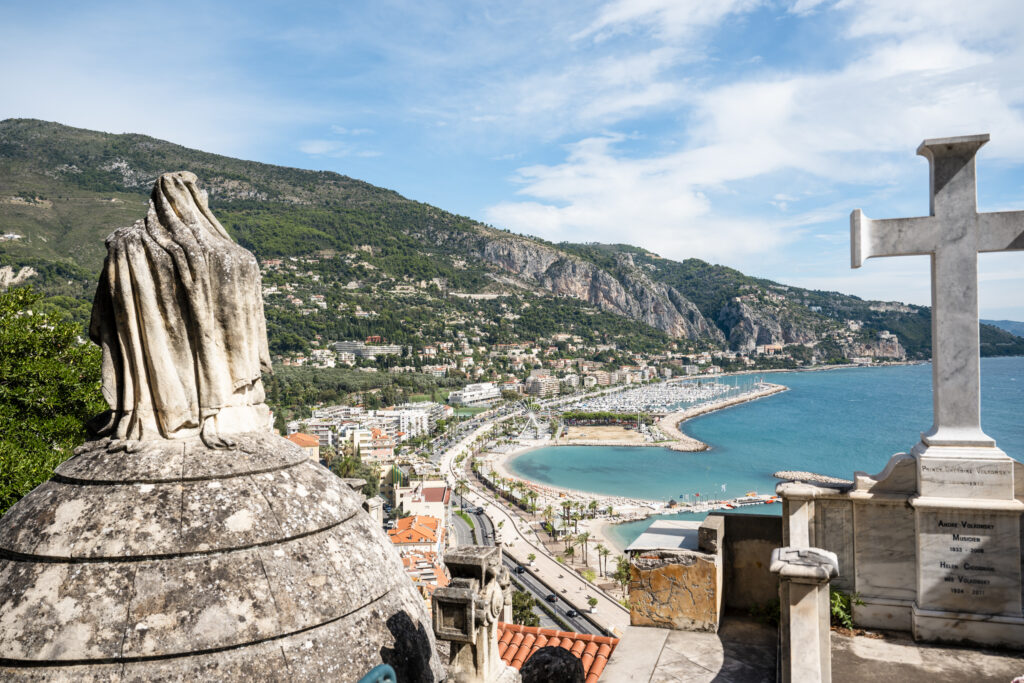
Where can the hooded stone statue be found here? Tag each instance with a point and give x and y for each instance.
(179, 316)
(165, 551)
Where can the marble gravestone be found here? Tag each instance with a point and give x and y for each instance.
(186, 540)
(933, 543)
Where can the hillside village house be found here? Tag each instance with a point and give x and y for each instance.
(307, 442)
(428, 498)
(418, 533)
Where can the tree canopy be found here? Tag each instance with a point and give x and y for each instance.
(50, 388)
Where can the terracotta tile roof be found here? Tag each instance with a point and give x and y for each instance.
(517, 643)
(416, 529)
(304, 440)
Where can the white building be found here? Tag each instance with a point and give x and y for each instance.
(475, 394)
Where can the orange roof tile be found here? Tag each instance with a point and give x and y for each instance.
(416, 529)
(304, 440)
(516, 644)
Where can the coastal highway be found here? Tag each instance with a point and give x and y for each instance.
(530, 583)
(518, 539)
(484, 529)
(579, 624)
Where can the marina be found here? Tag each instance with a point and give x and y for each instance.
(671, 395)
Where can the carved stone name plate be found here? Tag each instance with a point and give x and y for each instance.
(969, 561)
(959, 477)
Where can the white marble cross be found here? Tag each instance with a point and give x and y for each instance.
(952, 235)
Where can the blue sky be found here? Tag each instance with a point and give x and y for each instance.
(738, 131)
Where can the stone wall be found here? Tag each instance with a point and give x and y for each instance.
(749, 541)
(677, 589)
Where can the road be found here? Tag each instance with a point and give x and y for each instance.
(463, 534)
(518, 540)
(579, 624)
(483, 526)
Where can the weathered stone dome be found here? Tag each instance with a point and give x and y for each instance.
(179, 561)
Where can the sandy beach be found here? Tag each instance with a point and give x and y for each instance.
(624, 508)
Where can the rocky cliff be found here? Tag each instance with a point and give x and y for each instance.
(629, 292)
(751, 325)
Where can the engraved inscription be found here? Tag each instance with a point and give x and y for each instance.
(968, 562)
(964, 573)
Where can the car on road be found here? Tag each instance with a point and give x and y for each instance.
(519, 569)
(572, 614)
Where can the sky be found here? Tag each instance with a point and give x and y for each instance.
(742, 132)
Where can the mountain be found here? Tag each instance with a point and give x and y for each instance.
(345, 259)
(1014, 327)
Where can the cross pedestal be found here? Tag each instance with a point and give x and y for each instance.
(967, 516)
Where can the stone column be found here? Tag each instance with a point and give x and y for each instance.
(467, 611)
(798, 512)
(804, 628)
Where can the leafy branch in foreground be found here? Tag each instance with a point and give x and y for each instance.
(50, 388)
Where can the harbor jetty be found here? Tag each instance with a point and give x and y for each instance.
(669, 424)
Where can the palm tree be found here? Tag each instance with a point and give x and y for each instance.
(569, 553)
(593, 508)
(604, 552)
(460, 488)
(583, 538)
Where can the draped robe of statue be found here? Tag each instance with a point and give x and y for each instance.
(178, 314)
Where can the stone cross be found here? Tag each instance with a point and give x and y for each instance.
(952, 235)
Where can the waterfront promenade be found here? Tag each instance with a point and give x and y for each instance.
(520, 535)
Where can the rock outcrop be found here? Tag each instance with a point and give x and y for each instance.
(751, 326)
(632, 294)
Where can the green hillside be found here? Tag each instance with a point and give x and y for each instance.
(376, 262)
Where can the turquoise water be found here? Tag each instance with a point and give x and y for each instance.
(622, 535)
(833, 422)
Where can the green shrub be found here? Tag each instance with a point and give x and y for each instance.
(841, 607)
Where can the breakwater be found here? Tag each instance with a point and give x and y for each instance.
(683, 442)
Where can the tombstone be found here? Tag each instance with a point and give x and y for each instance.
(932, 544)
(186, 540)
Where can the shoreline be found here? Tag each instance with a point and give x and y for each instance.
(625, 508)
(670, 424)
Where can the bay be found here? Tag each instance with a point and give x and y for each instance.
(832, 422)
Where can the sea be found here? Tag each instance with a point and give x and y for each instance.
(831, 422)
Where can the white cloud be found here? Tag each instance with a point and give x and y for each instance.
(654, 202)
(319, 146)
(334, 148)
(804, 6)
(669, 19)
(342, 130)
(854, 126)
